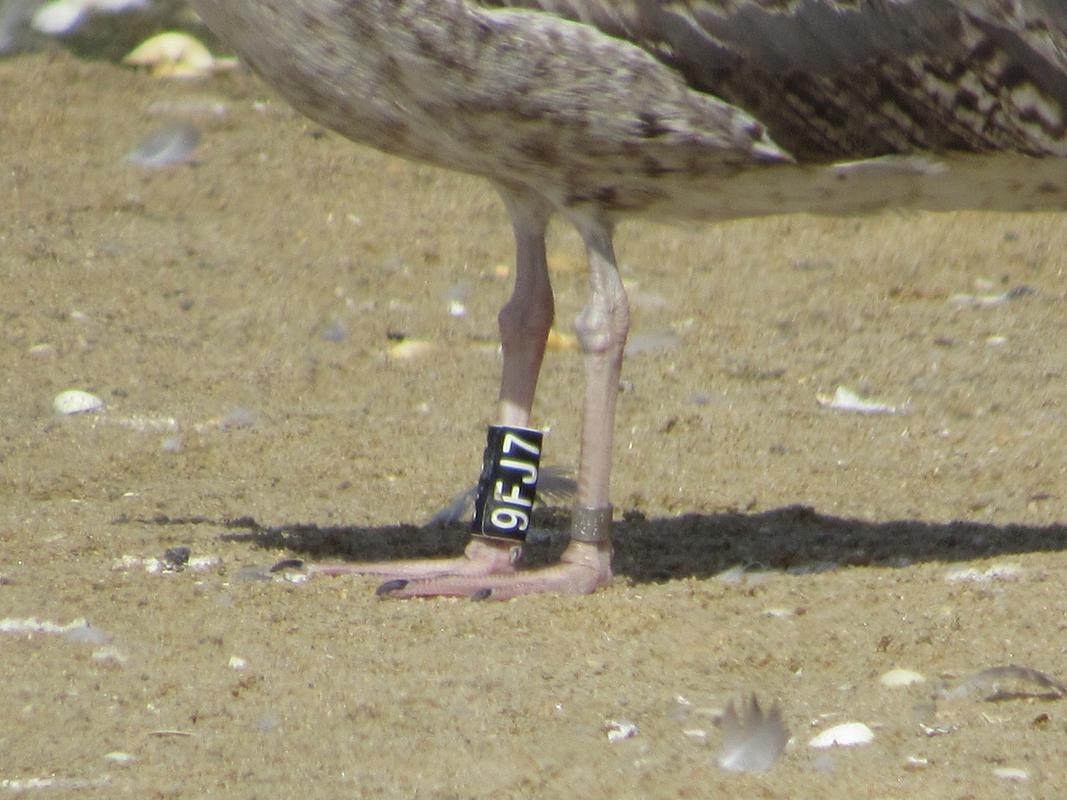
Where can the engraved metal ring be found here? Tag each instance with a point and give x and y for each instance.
(591, 525)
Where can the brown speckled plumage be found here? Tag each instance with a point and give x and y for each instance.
(646, 105)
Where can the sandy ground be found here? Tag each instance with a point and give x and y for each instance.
(237, 316)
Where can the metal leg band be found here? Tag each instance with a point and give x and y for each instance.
(591, 525)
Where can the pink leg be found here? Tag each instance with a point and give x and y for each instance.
(524, 324)
(586, 563)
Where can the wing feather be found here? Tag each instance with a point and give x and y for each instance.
(836, 79)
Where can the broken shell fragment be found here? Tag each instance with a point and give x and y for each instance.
(75, 401)
(900, 677)
(620, 729)
(848, 734)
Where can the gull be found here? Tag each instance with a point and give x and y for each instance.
(671, 110)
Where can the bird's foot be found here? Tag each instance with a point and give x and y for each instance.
(481, 557)
(583, 568)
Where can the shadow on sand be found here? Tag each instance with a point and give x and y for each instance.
(692, 545)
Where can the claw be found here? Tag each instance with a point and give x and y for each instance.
(389, 587)
(288, 563)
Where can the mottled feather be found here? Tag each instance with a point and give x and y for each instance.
(690, 109)
(834, 80)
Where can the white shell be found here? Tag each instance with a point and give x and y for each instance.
(1011, 774)
(847, 734)
(177, 55)
(58, 18)
(901, 677)
(620, 729)
(75, 401)
(845, 399)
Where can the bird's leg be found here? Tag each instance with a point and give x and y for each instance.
(586, 563)
(525, 320)
(524, 324)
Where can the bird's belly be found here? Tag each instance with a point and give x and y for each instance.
(957, 182)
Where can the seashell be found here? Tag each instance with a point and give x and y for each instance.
(845, 399)
(59, 18)
(177, 55)
(900, 677)
(620, 729)
(848, 734)
(75, 401)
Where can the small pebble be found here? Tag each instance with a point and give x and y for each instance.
(167, 147)
(75, 401)
(176, 557)
(237, 663)
(847, 734)
(1011, 774)
(333, 331)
